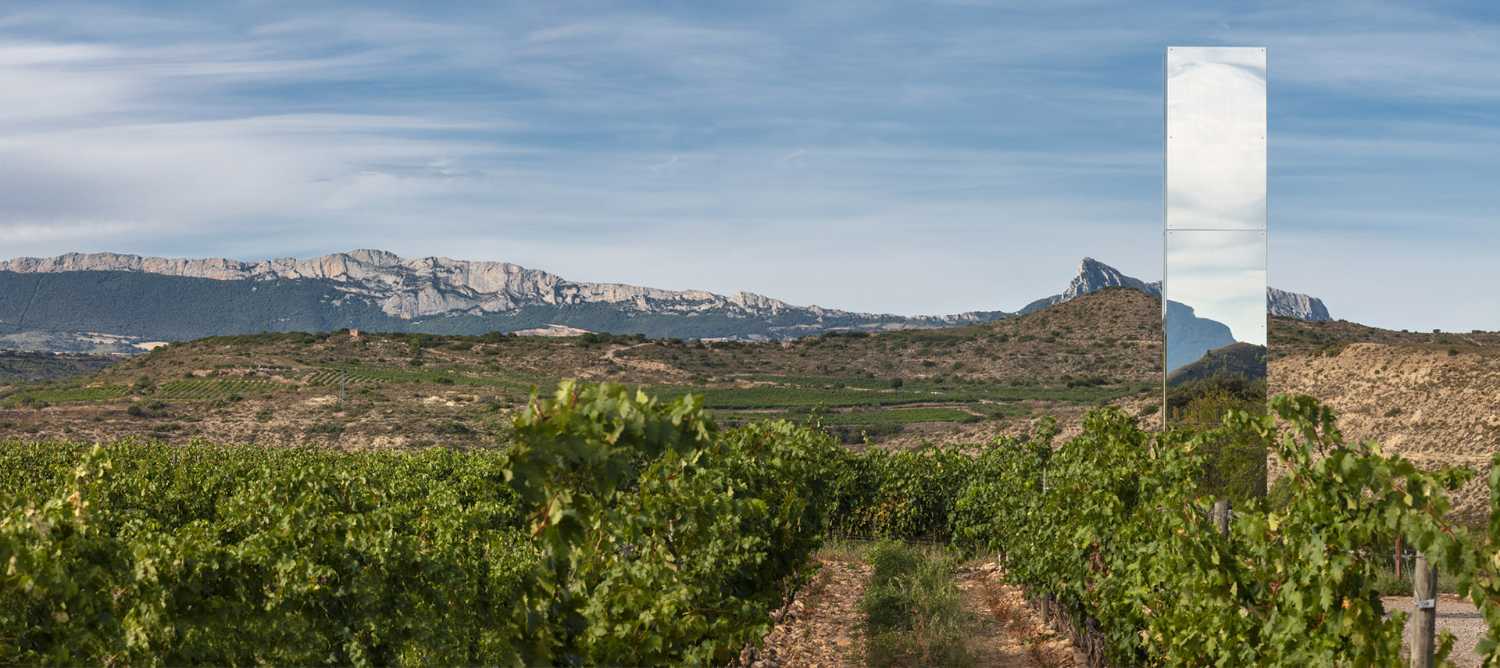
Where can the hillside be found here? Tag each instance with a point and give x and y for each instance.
(1435, 405)
(1295, 337)
(1113, 335)
(20, 367)
(405, 390)
(961, 384)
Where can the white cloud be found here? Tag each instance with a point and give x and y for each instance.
(947, 158)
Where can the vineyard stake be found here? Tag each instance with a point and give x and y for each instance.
(1424, 590)
(1398, 557)
(1221, 517)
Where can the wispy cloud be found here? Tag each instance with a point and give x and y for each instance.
(876, 156)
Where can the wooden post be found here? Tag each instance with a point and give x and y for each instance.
(1424, 623)
(1398, 558)
(1221, 516)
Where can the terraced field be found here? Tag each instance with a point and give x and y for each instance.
(213, 389)
(45, 395)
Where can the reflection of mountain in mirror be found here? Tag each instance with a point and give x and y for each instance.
(1222, 275)
(1230, 377)
(1242, 360)
(1189, 336)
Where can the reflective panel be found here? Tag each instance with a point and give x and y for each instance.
(1214, 293)
(1216, 297)
(1216, 138)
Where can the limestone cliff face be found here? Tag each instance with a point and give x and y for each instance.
(1294, 305)
(1094, 276)
(414, 288)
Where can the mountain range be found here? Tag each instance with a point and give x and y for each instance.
(84, 301)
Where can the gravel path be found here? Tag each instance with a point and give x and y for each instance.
(1455, 615)
(1007, 632)
(823, 627)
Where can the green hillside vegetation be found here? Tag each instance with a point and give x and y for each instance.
(20, 367)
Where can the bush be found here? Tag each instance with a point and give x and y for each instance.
(324, 428)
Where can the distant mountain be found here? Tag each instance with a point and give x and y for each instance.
(1236, 359)
(149, 298)
(108, 301)
(1094, 276)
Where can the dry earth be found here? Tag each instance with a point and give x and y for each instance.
(1433, 406)
(1009, 633)
(823, 626)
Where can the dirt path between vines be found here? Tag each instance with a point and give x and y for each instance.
(823, 627)
(1007, 632)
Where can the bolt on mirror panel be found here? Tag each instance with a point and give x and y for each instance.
(1215, 297)
(1216, 138)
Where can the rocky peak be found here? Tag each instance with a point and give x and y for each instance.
(375, 257)
(1094, 276)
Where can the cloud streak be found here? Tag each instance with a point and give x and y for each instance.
(874, 157)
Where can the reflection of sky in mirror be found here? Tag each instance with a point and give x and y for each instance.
(1222, 275)
(1216, 138)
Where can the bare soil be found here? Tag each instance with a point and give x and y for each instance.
(823, 627)
(1007, 632)
(1434, 407)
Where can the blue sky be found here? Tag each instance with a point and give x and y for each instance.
(895, 157)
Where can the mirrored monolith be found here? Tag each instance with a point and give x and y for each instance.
(1214, 289)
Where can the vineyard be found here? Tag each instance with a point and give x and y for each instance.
(614, 528)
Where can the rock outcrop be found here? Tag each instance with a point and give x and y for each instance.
(420, 294)
(1293, 305)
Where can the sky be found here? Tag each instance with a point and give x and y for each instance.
(891, 157)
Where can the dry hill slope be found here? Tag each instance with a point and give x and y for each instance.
(1433, 406)
(1435, 397)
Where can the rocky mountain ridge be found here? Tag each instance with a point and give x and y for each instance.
(165, 299)
(1094, 276)
(418, 287)
(429, 286)
(414, 288)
